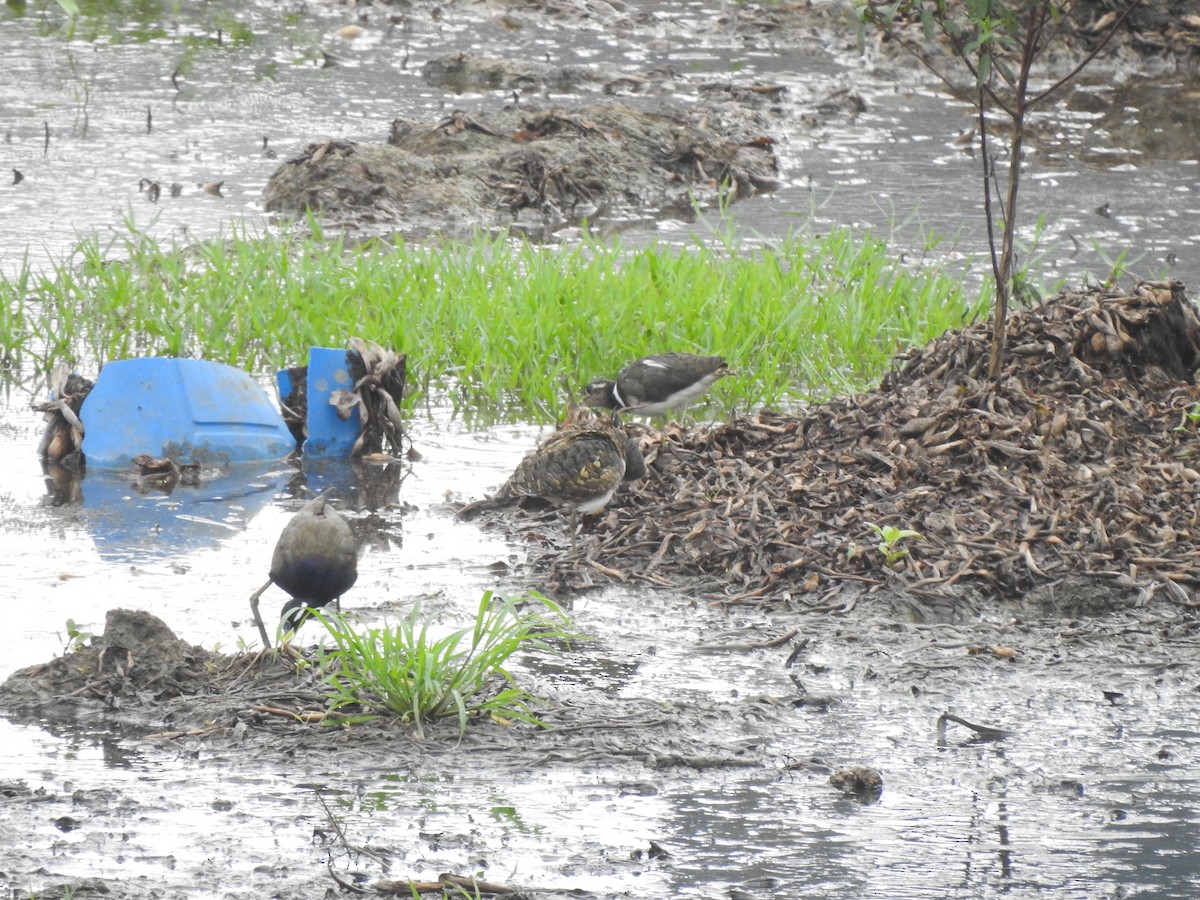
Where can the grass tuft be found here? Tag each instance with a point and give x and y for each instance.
(501, 329)
(404, 671)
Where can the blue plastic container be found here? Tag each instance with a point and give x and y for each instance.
(190, 410)
(329, 435)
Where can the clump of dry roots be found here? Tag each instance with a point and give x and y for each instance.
(1081, 459)
(379, 377)
(62, 438)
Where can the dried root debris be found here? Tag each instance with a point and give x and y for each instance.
(62, 439)
(1081, 459)
(380, 377)
(525, 165)
(1164, 26)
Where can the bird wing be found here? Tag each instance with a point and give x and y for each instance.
(573, 466)
(316, 556)
(655, 378)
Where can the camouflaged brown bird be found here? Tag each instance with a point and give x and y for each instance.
(579, 467)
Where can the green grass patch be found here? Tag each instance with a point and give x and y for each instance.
(500, 327)
(403, 670)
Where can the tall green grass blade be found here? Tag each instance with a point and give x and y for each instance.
(402, 670)
(500, 328)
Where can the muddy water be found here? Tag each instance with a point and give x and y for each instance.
(715, 755)
(186, 100)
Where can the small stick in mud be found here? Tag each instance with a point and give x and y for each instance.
(445, 880)
(985, 732)
(745, 647)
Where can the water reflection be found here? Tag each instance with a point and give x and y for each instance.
(131, 516)
(128, 523)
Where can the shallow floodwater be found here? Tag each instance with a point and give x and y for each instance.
(210, 96)
(1087, 797)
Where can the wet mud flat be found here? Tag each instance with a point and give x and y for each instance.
(257, 712)
(1050, 598)
(363, 808)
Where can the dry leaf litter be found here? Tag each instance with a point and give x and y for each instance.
(1081, 459)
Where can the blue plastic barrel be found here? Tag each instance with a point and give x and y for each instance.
(329, 435)
(190, 410)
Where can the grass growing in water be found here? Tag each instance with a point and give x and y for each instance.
(503, 326)
(404, 670)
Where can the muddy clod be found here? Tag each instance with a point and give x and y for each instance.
(862, 783)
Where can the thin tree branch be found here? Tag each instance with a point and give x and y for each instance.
(969, 63)
(1033, 31)
(914, 49)
(1060, 22)
(989, 174)
(918, 54)
(1042, 95)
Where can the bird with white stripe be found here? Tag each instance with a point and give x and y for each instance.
(656, 385)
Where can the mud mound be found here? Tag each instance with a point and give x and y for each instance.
(138, 655)
(139, 669)
(1080, 460)
(545, 165)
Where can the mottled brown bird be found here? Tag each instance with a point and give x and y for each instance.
(656, 385)
(315, 561)
(578, 467)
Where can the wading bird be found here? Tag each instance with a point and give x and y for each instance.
(578, 467)
(656, 385)
(315, 561)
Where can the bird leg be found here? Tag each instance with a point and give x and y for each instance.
(262, 629)
(573, 520)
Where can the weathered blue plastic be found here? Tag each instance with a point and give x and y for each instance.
(329, 435)
(191, 410)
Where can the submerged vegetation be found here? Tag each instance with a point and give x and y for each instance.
(503, 327)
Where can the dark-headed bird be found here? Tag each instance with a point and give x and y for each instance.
(315, 562)
(656, 385)
(578, 467)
